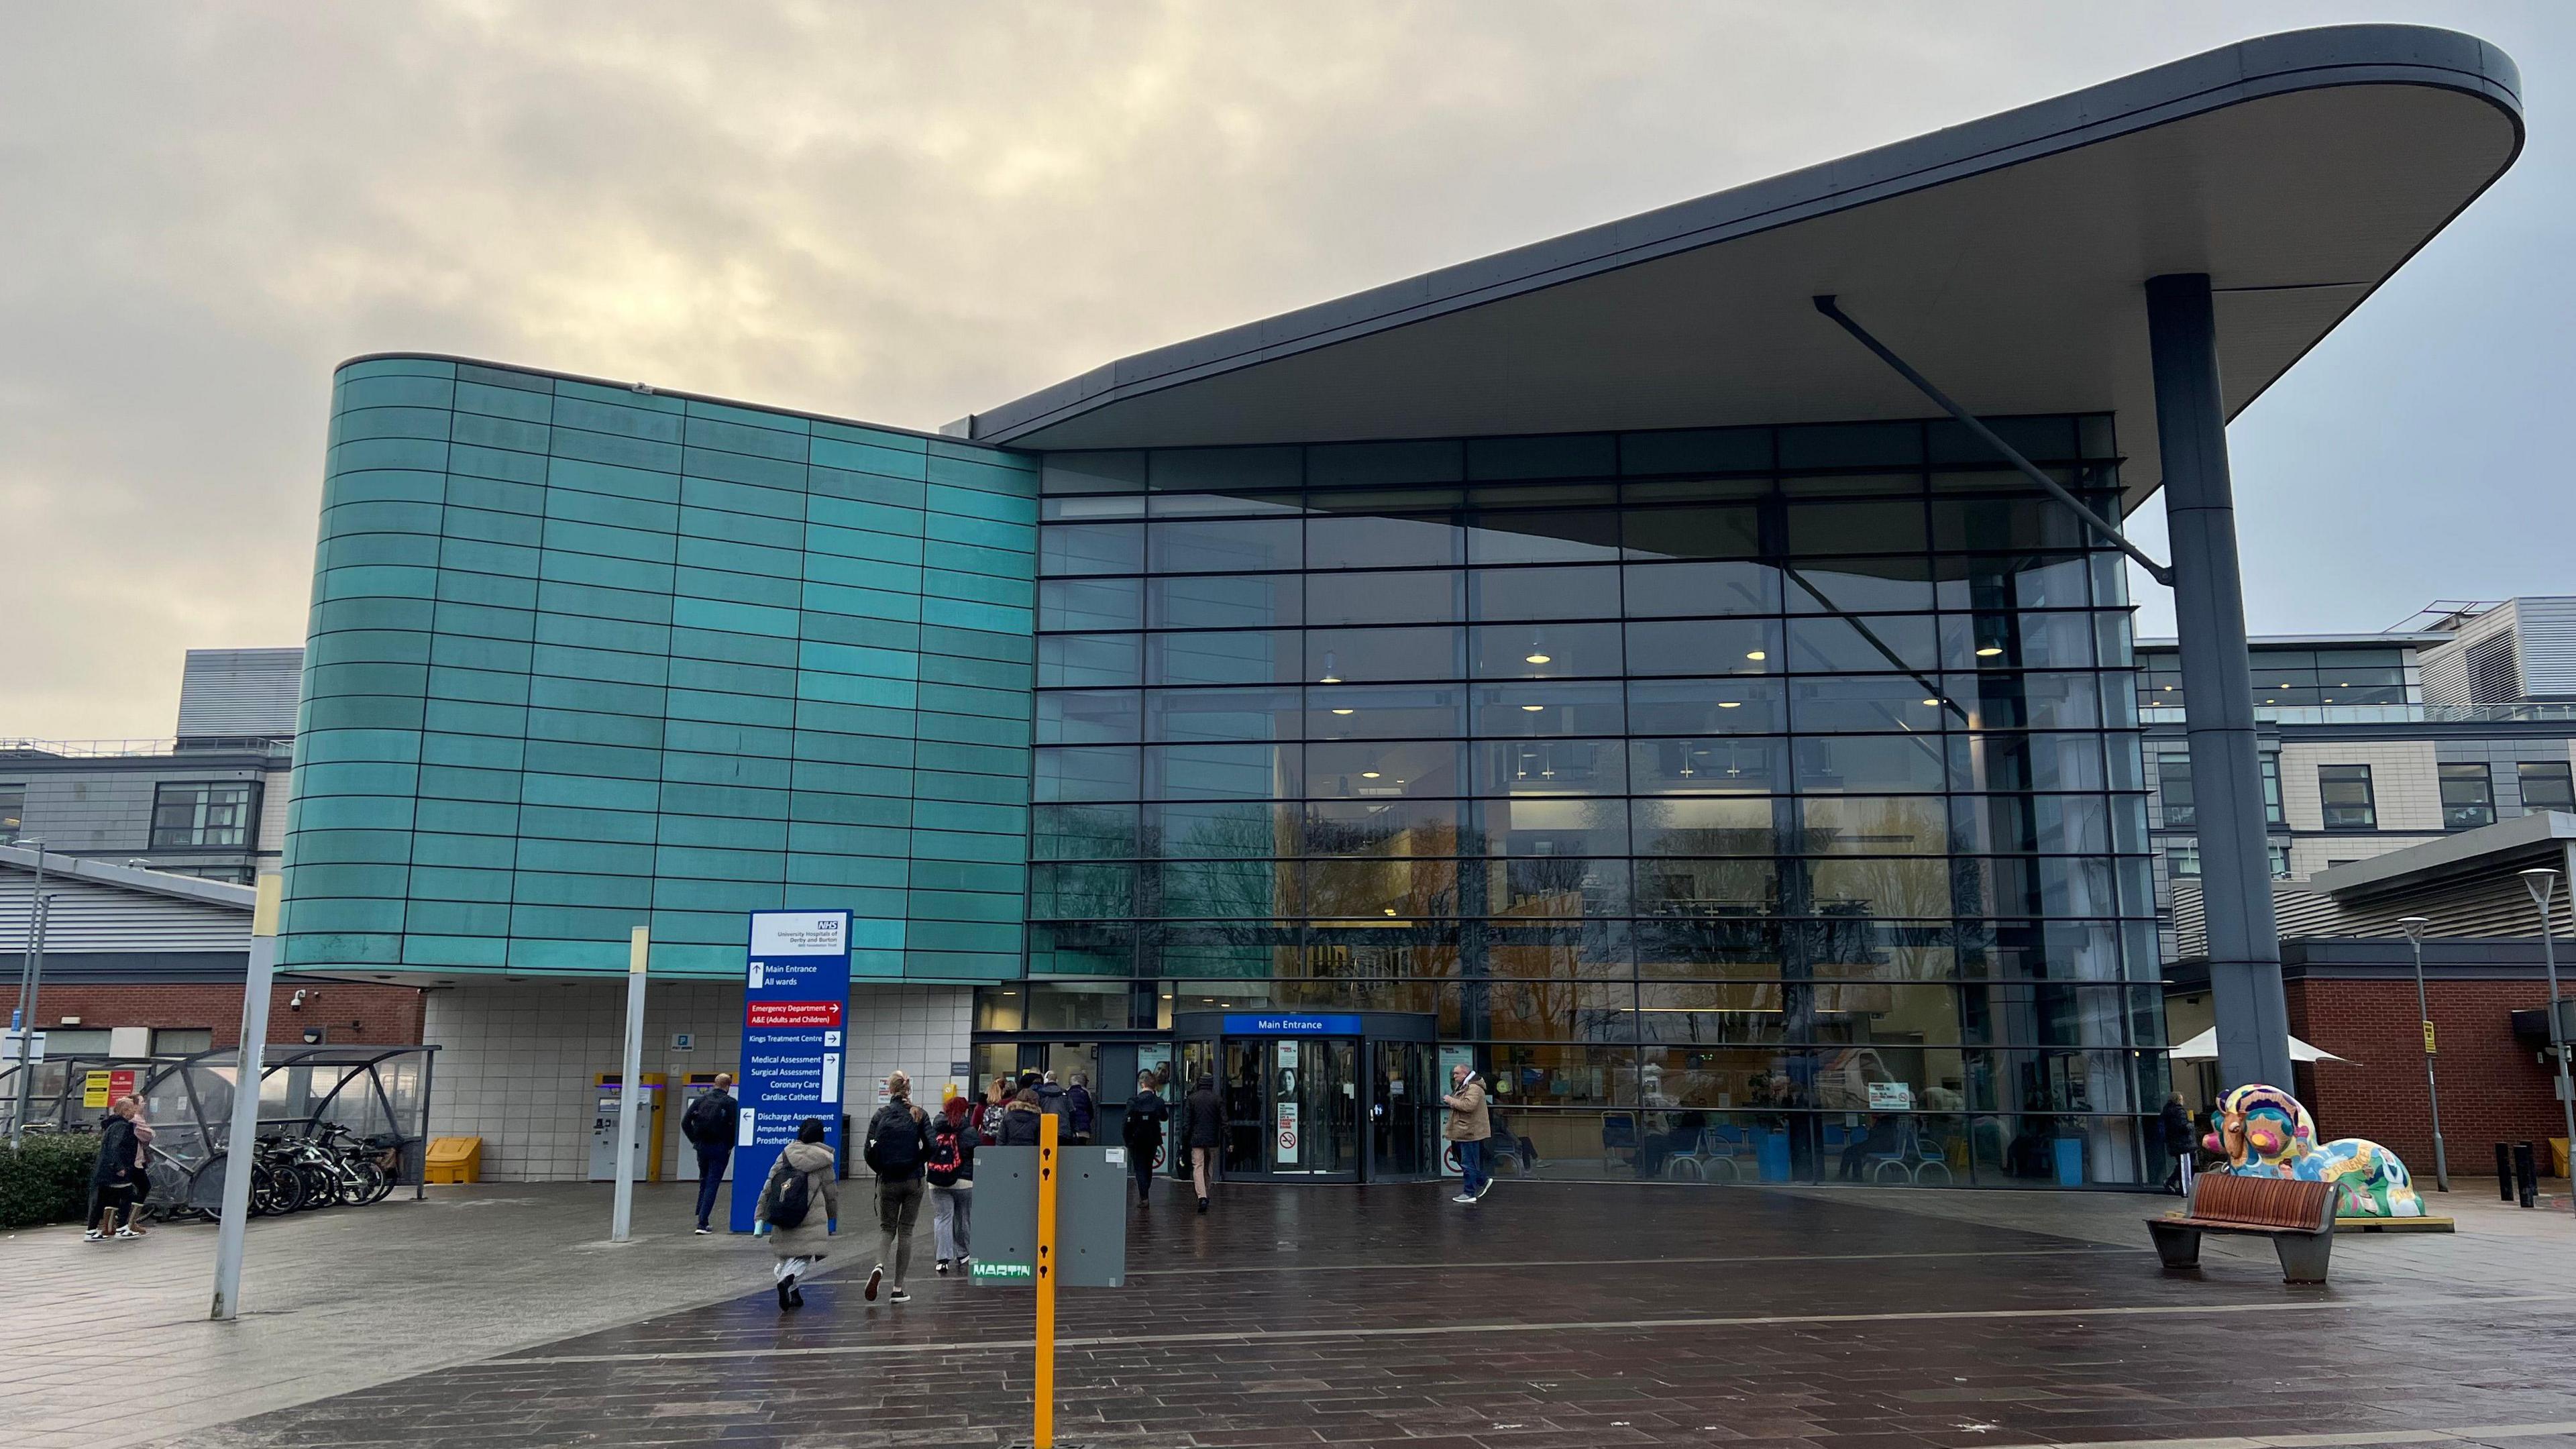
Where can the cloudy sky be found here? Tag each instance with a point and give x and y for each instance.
(905, 212)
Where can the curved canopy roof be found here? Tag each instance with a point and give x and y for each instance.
(2004, 258)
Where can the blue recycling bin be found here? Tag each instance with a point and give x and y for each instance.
(2070, 1161)
(1771, 1154)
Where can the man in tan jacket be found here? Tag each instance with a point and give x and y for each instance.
(1468, 1126)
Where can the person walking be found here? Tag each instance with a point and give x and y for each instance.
(988, 1117)
(1020, 1120)
(1467, 1127)
(1203, 1132)
(1147, 1112)
(898, 1146)
(799, 1180)
(112, 1174)
(950, 1171)
(710, 1124)
(2174, 1122)
(1080, 1112)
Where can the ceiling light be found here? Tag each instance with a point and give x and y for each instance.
(1329, 679)
(2168, 689)
(1390, 910)
(1933, 702)
(1990, 651)
(1341, 711)
(1755, 654)
(1538, 659)
(1368, 774)
(1730, 704)
(1532, 708)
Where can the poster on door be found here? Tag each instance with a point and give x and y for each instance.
(795, 1001)
(1288, 1134)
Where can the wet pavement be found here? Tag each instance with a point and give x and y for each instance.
(1576, 1315)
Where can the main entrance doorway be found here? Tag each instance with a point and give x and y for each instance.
(1318, 1097)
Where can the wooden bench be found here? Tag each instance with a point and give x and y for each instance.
(2299, 1218)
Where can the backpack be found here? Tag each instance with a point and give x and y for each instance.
(1143, 1130)
(946, 1156)
(894, 1140)
(700, 1119)
(793, 1202)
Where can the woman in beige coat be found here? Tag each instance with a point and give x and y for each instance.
(800, 1246)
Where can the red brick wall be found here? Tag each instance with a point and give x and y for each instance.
(2493, 1088)
(371, 1014)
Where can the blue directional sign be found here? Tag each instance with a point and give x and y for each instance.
(1269, 1023)
(796, 1004)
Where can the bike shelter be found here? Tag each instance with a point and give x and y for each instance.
(365, 1090)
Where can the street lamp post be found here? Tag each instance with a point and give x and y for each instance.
(31, 982)
(2542, 883)
(2441, 1158)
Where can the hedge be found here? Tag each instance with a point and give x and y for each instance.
(47, 1179)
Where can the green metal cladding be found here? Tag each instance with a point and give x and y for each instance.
(584, 658)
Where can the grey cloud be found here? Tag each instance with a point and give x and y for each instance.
(899, 213)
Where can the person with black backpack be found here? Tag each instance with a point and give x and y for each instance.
(1147, 1113)
(785, 1214)
(951, 1171)
(709, 1124)
(898, 1146)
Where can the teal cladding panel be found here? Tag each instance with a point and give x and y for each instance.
(583, 659)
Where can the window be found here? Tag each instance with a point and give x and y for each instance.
(202, 812)
(2173, 783)
(13, 808)
(2468, 797)
(2280, 852)
(2182, 859)
(2271, 764)
(181, 1040)
(75, 1041)
(2345, 792)
(2545, 786)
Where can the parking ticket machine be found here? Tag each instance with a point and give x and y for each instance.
(605, 1094)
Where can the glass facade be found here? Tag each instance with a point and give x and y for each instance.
(1773, 794)
(584, 658)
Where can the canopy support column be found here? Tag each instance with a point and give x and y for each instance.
(2217, 686)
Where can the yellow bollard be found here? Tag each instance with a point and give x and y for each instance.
(1044, 1437)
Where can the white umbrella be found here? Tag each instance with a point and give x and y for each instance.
(2204, 1048)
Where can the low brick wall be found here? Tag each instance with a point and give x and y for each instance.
(2493, 1088)
(355, 1014)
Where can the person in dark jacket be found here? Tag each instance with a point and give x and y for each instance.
(1143, 1131)
(1080, 1113)
(1203, 1132)
(710, 1125)
(112, 1176)
(898, 1145)
(1020, 1120)
(2174, 1122)
(1050, 1096)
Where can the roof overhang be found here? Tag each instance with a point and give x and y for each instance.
(131, 878)
(2538, 839)
(2004, 258)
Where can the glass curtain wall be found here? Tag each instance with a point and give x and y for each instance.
(1759, 803)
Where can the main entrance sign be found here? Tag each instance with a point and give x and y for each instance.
(1247, 1023)
(795, 1005)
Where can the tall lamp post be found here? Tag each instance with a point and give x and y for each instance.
(2543, 882)
(2441, 1158)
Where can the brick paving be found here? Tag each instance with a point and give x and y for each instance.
(1575, 1315)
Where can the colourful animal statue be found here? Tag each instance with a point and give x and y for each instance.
(2265, 1132)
